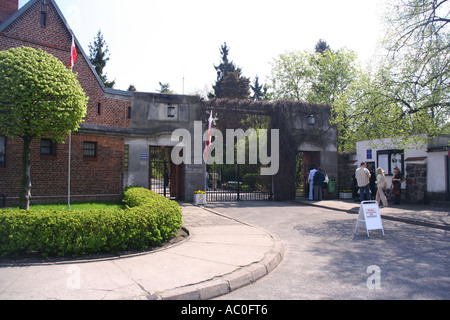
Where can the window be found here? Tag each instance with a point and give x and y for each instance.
(90, 150)
(171, 112)
(2, 151)
(369, 154)
(129, 112)
(388, 159)
(99, 108)
(43, 18)
(48, 148)
(127, 156)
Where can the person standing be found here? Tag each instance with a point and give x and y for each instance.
(381, 186)
(325, 186)
(319, 178)
(206, 180)
(311, 183)
(373, 184)
(397, 185)
(363, 175)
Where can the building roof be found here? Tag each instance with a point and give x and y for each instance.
(30, 4)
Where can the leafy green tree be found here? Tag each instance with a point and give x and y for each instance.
(99, 56)
(318, 77)
(416, 75)
(291, 76)
(230, 81)
(333, 73)
(39, 98)
(407, 94)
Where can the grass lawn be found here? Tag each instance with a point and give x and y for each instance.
(106, 205)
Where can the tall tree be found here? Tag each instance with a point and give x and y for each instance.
(291, 76)
(39, 98)
(321, 46)
(259, 90)
(417, 73)
(407, 95)
(333, 73)
(99, 56)
(164, 88)
(230, 81)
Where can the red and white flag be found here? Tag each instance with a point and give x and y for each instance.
(73, 53)
(208, 143)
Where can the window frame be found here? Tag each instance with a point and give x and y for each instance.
(3, 152)
(95, 149)
(52, 148)
(390, 170)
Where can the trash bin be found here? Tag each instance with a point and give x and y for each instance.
(332, 186)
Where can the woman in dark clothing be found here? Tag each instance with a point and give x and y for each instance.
(397, 185)
(373, 185)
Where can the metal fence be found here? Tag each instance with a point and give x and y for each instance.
(163, 174)
(237, 183)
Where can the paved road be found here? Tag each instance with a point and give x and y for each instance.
(324, 260)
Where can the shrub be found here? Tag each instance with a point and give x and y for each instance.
(148, 220)
(250, 179)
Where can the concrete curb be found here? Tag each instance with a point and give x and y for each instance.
(230, 282)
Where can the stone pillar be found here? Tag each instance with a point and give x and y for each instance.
(416, 183)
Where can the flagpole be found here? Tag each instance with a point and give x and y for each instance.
(73, 57)
(208, 143)
(68, 179)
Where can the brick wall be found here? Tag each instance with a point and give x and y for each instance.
(7, 8)
(56, 40)
(101, 177)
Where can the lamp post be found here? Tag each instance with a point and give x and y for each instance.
(311, 120)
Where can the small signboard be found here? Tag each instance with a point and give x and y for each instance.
(144, 156)
(369, 215)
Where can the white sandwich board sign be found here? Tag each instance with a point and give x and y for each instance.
(369, 215)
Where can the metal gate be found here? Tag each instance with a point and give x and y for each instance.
(164, 176)
(237, 183)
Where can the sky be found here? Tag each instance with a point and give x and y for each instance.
(178, 41)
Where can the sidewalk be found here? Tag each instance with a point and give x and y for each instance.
(423, 215)
(219, 256)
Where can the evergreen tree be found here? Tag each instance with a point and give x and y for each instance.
(259, 91)
(230, 82)
(322, 46)
(99, 56)
(165, 88)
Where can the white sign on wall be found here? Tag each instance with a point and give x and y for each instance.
(369, 216)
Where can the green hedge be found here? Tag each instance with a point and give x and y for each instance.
(148, 220)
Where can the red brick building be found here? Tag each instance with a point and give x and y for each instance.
(97, 154)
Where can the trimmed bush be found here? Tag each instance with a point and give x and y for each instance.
(250, 179)
(149, 220)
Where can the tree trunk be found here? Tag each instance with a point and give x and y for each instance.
(25, 192)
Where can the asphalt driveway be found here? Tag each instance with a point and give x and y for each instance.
(324, 260)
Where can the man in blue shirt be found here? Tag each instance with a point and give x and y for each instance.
(319, 178)
(311, 182)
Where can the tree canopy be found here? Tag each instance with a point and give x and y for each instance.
(230, 81)
(39, 98)
(99, 56)
(407, 93)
